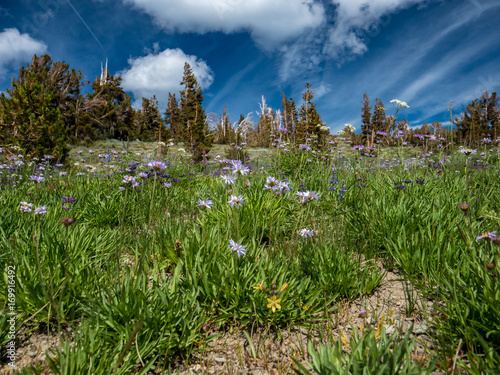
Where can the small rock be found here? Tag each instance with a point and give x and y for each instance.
(219, 359)
(420, 328)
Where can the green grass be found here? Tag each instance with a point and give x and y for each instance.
(142, 273)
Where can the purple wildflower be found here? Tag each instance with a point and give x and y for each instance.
(239, 249)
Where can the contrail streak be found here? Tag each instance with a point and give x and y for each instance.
(87, 26)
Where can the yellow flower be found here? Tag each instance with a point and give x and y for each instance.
(260, 286)
(283, 287)
(274, 303)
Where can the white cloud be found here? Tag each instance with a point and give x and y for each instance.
(17, 48)
(269, 22)
(159, 74)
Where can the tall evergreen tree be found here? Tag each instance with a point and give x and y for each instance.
(379, 118)
(108, 112)
(481, 117)
(149, 123)
(40, 108)
(366, 118)
(172, 118)
(293, 115)
(197, 135)
(310, 122)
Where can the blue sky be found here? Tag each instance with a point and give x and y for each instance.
(424, 52)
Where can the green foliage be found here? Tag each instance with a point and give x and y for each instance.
(192, 118)
(367, 355)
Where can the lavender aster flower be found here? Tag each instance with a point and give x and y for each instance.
(236, 201)
(306, 233)
(157, 165)
(41, 210)
(37, 178)
(128, 179)
(239, 249)
(486, 236)
(228, 179)
(208, 203)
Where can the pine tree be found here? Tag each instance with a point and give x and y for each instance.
(481, 117)
(264, 125)
(107, 113)
(293, 115)
(30, 120)
(379, 118)
(310, 124)
(366, 118)
(172, 118)
(150, 126)
(41, 107)
(196, 133)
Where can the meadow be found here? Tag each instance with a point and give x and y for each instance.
(299, 259)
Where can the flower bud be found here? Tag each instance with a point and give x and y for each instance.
(464, 206)
(490, 266)
(68, 221)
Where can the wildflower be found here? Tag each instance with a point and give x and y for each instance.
(282, 187)
(157, 165)
(306, 233)
(237, 201)
(467, 151)
(309, 195)
(260, 286)
(63, 173)
(486, 236)
(239, 249)
(41, 210)
(128, 180)
(228, 179)
(274, 303)
(358, 147)
(241, 169)
(464, 206)
(305, 147)
(68, 200)
(121, 188)
(37, 178)
(26, 207)
(208, 203)
(91, 152)
(362, 314)
(166, 185)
